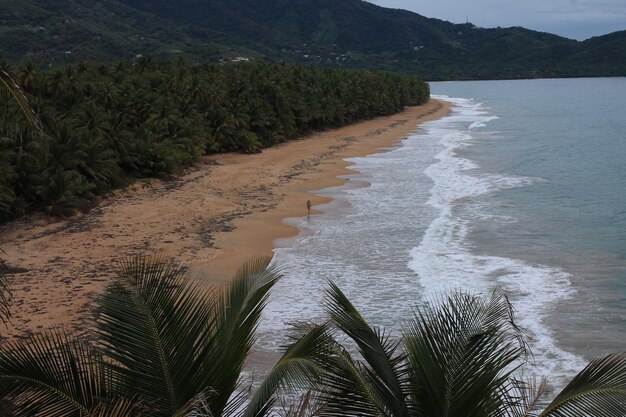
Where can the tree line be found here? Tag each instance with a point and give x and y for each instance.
(101, 126)
(164, 346)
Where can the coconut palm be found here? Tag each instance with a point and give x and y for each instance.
(53, 374)
(99, 163)
(171, 342)
(18, 94)
(168, 346)
(14, 89)
(5, 293)
(27, 75)
(455, 359)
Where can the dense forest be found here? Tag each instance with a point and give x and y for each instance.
(105, 125)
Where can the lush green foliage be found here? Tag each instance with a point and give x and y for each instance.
(5, 292)
(167, 347)
(346, 34)
(105, 125)
(457, 357)
(178, 346)
(163, 347)
(52, 374)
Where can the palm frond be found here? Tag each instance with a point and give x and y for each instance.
(5, 292)
(236, 313)
(121, 407)
(149, 321)
(20, 97)
(383, 372)
(308, 405)
(198, 406)
(170, 340)
(599, 390)
(298, 368)
(461, 355)
(348, 389)
(525, 397)
(51, 375)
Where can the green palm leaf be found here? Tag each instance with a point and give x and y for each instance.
(18, 94)
(461, 355)
(457, 361)
(526, 397)
(349, 390)
(236, 312)
(599, 390)
(51, 375)
(122, 407)
(5, 292)
(307, 406)
(170, 340)
(373, 389)
(300, 367)
(129, 319)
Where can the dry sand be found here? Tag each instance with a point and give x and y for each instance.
(225, 210)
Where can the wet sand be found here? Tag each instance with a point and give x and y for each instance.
(220, 213)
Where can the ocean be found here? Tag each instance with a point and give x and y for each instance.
(521, 187)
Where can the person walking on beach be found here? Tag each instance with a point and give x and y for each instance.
(308, 207)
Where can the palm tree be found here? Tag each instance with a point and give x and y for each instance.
(18, 94)
(164, 344)
(53, 374)
(27, 75)
(5, 292)
(455, 359)
(170, 345)
(99, 163)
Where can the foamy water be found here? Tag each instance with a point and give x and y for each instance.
(444, 260)
(399, 233)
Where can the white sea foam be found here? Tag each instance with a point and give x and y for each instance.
(444, 259)
(482, 123)
(405, 237)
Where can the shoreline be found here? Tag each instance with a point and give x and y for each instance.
(270, 225)
(223, 211)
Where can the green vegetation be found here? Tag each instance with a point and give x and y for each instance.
(338, 34)
(457, 358)
(106, 125)
(164, 346)
(5, 292)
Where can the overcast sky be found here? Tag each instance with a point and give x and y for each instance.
(576, 19)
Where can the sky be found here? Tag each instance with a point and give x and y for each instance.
(575, 19)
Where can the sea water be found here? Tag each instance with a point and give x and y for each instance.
(521, 187)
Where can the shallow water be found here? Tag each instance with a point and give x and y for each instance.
(521, 187)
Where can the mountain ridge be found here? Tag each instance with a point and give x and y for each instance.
(348, 33)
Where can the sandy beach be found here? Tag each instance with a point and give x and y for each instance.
(223, 211)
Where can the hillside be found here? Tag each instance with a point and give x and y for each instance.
(348, 33)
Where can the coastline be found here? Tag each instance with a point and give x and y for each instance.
(225, 210)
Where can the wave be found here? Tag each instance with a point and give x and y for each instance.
(445, 257)
(405, 237)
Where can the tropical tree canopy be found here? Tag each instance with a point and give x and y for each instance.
(15, 90)
(80, 131)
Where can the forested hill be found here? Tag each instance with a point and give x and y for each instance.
(346, 33)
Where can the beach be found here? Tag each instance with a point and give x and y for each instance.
(225, 210)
